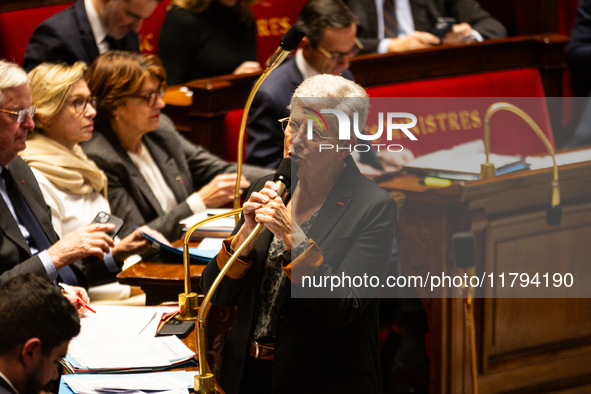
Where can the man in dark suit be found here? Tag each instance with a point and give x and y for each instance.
(28, 242)
(87, 29)
(327, 48)
(36, 325)
(578, 58)
(402, 25)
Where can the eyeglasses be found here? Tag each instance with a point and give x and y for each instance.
(296, 129)
(81, 103)
(150, 98)
(339, 56)
(22, 114)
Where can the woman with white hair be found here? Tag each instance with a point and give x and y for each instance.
(291, 335)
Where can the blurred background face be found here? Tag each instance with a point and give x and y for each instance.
(13, 134)
(121, 16)
(137, 114)
(338, 43)
(73, 123)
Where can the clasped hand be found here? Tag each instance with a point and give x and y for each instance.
(267, 207)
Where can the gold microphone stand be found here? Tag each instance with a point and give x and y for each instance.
(487, 170)
(277, 58)
(468, 295)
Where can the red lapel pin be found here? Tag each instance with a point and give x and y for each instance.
(340, 203)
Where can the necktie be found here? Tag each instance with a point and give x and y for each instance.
(390, 21)
(115, 44)
(38, 238)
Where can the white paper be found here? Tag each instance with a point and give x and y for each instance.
(173, 348)
(156, 382)
(115, 320)
(122, 352)
(224, 223)
(463, 158)
(209, 243)
(537, 162)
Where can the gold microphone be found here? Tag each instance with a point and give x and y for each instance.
(487, 170)
(204, 381)
(289, 42)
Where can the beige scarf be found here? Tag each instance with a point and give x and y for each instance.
(69, 170)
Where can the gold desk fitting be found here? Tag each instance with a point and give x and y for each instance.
(487, 170)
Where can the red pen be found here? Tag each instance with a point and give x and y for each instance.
(71, 291)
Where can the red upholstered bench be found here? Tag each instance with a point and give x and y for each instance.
(517, 139)
(16, 28)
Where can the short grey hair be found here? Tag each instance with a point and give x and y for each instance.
(333, 92)
(11, 76)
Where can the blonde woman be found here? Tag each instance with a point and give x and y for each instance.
(204, 38)
(73, 186)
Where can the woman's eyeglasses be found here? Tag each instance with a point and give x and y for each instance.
(296, 129)
(21, 115)
(150, 98)
(81, 103)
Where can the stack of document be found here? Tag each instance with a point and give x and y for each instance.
(462, 162)
(122, 339)
(221, 228)
(176, 382)
(132, 352)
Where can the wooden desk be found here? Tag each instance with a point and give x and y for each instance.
(523, 345)
(160, 281)
(201, 117)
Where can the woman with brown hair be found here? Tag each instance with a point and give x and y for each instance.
(153, 171)
(204, 38)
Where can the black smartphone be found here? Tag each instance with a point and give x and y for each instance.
(443, 25)
(103, 217)
(180, 328)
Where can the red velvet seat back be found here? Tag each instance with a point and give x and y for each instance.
(517, 139)
(444, 123)
(150, 31)
(274, 18)
(16, 28)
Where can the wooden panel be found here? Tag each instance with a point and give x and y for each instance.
(11, 5)
(523, 345)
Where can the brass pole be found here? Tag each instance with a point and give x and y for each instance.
(279, 57)
(188, 300)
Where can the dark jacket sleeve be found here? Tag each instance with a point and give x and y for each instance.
(469, 11)
(578, 55)
(176, 45)
(32, 265)
(265, 137)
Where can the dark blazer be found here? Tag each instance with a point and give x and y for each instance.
(184, 166)
(66, 37)
(264, 145)
(15, 255)
(5, 387)
(321, 345)
(578, 55)
(425, 14)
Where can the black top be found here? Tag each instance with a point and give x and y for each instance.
(199, 45)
